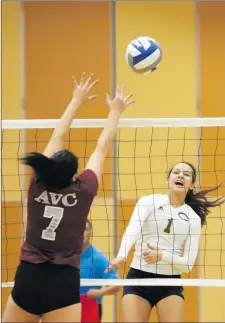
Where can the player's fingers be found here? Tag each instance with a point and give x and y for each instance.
(128, 97)
(117, 90)
(74, 81)
(82, 79)
(108, 269)
(89, 79)
(129, 103)
(113, 264)
(92, 85)
(122, 90)
(92, 97)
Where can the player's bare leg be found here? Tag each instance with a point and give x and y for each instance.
(171, 309)
(13, 313)
(135, 309)
(70, 313)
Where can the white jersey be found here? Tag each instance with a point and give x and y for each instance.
(175, 231)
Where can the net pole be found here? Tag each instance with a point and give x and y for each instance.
(21, 168)
(198, 130)
(114, 149)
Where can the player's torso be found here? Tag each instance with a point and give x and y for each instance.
(56, 223)
(166, 227)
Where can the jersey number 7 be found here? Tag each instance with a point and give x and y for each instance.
(55, 214)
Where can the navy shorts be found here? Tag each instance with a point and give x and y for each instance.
(41, 288)
(153, 294)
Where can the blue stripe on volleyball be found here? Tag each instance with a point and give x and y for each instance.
(144, 52)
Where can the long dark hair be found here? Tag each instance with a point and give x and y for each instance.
(55, 172)
(198, 201)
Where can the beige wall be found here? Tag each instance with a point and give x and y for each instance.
(11, 93)
(212, 31)
(11, 109)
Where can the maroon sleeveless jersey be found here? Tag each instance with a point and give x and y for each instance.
(56, 221)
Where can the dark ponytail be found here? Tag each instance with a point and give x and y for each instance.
(201, 204)
(198, 201)
(55, 172)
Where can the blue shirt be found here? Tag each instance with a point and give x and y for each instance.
(92, 266)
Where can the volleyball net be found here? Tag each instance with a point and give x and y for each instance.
(142, 154)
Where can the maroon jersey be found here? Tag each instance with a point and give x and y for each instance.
(56, 220)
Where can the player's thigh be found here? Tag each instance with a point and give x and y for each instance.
(171, 309)
(70, 313)
(135, 308)
(13, 313)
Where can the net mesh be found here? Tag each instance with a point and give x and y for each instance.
(137, 165)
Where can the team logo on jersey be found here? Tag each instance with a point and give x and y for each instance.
(183, 216)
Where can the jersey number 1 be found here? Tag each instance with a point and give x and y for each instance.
(55, 214)
(168, 227)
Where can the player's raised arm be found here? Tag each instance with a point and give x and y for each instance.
(116, 106)
(81, 93)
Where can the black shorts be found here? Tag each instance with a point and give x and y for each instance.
(41, 288)
(153, 294)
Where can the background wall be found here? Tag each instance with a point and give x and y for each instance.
(66, 38)
(212, 78)
(11, 109)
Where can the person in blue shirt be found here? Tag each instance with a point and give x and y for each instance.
(93, 265)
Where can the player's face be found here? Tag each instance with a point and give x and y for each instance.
(87, 234)
(180, 178)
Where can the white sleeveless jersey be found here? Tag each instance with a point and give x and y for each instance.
(175, 231)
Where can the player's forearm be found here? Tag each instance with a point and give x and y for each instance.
(134, 228)
(109, 290)
(181, 264)
(127, 242)
(109, 131)
(64, 123)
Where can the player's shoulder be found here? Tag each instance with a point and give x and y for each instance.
(153, 199)
(89, 180)
(192, 215)
(190, 211)
(87, 174)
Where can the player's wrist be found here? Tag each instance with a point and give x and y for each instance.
(115, 113)
(75, 102)
(101, 292)
(121, 258)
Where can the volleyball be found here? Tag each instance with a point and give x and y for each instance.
(143, 54)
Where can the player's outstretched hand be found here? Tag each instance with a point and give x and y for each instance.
(120, 102)
(114, 263)
(82, 89)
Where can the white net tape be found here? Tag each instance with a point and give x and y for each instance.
(147, 282)
(124, 123)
